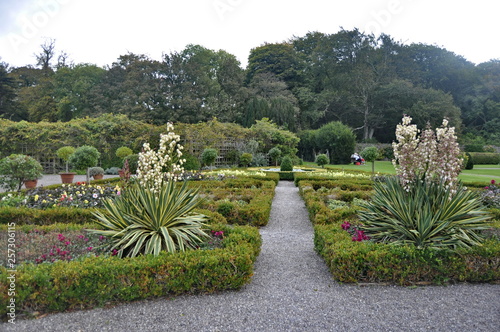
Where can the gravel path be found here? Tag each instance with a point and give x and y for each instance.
(292, 290)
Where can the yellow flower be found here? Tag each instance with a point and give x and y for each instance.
(36, 198)
(86, 202)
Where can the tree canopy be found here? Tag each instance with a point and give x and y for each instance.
(364, 81)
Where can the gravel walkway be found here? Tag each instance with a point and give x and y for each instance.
(292, 290)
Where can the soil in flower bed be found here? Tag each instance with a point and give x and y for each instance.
(38, 246)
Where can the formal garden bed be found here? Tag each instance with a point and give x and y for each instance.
(64, 267)
(419, 227)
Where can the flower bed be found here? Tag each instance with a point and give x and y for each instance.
(355, 259)
(95, 281)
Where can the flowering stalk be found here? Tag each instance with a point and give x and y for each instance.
(432, 157)
(156, 167)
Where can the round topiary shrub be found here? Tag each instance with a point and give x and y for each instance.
(84, 157)
(123, 152)
(286, 164)
(208, 156)
(322, 160)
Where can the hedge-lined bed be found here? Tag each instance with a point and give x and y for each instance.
(97, 281)
(367, 262)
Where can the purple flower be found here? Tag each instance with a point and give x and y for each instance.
(346, 226)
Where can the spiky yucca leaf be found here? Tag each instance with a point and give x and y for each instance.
(426, 216)
(144, 222)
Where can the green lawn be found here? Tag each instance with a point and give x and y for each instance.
(480, 173)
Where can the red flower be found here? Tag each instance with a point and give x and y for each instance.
(493, 181)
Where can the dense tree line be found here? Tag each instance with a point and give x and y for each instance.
(363, 81)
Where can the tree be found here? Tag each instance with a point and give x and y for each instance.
(274, 154)
(44, 58)
(338, 139)
(322, 160)
(85, 156)
(8, 93)
(370, 154)
(208, 156)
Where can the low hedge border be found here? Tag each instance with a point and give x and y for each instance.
(367, 262)
(485, 158)
(97, 281)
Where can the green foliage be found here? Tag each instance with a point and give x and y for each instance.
(286, 164)
(485, 158)
(84, 157)
(322, 160)
(96, 171)
(469, 163)
(123, 152)
(17, 168)
(246, 159)
(338, 139)
(429, 215)
(370, 153)
(141, 221)
(95, 281)
(192, 163)
(64, 153)
(275, 154)
(208, 156)
(367, 261)
(133, 162)
(259, 160)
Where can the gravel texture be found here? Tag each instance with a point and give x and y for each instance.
(292, 290)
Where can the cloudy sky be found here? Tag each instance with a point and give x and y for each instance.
(98, 31)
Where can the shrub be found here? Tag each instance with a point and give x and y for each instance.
(485, 158)
(111, 171)
(259, 159)
(322, 160)
(246, 159)
(208, 156)
(133, 162)
(84, 157)
(123, 152)
(286, 164)
(95, 171)
(141, 221)
(192, 163)
(17, 168)
(426, 215)
(469, 161)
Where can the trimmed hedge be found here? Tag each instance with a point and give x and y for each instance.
(485, 158)
(96, 281)
(369, 262)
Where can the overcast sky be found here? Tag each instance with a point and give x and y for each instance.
(99, 31)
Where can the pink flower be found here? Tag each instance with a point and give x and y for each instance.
(67, 243)
(346, 226)
(493, 181)
(89, 248)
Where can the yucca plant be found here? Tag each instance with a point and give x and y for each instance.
(141, 221)
(428, 215)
